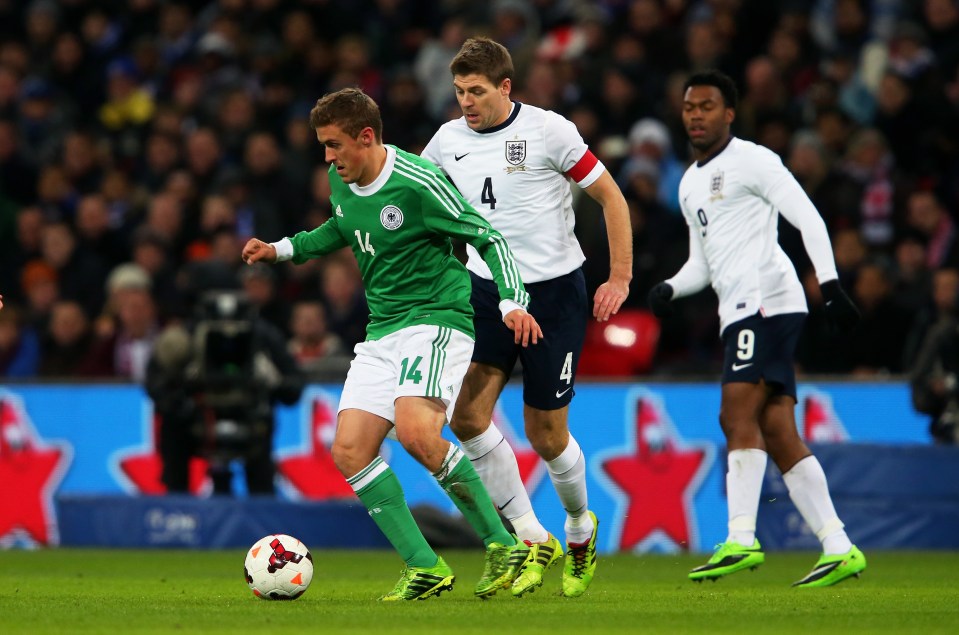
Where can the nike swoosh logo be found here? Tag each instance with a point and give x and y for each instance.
(458, 157)
(560, 394)
(503, 506)
(741, 366)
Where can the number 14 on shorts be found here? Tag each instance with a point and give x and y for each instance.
(411, 372)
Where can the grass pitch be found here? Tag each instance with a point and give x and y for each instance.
(114, 591)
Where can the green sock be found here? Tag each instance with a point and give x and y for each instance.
(461, 482)
(381, 493)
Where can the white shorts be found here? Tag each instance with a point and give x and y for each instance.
(418, 361)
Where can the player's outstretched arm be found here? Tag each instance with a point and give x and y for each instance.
(256, 250)
(524, 326)
(611, 294)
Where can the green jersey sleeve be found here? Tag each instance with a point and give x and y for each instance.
(468, 225)
(323, 240)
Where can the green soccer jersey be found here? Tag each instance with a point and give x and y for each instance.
(399, 228)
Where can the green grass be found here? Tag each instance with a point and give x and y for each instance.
(104, 591)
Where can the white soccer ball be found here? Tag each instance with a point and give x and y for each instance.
(278, 567)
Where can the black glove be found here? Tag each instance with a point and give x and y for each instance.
(840, 309)
(658, 299)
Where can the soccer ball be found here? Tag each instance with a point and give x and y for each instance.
(278, 567)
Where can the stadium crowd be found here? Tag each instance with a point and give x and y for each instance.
(142, 142)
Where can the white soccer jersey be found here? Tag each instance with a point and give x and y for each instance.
(515, 174)
(732, 204)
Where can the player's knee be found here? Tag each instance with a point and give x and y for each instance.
(346, 459)
(467, 426)
(548, 441)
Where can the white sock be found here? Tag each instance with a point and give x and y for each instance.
(494, 461)
(568, 473)
(808, 490)
(744, 481)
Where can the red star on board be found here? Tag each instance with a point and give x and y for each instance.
(819, 420)
(143, 468)
(29, 475)
(657, 477)
(313, 473)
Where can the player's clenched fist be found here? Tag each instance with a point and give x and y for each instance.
(256, 250)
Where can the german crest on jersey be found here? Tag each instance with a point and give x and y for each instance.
(391, 217)
(516, 151)
(716, 186)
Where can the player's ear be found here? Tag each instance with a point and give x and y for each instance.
(505, 87)
(730, 116)
(367, 136)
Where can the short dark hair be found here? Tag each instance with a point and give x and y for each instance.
(483, 56)
(351, 109)
(718, 79)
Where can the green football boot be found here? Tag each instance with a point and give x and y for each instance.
(542, 556)
(729, 557)
(419, 583)
(833, 569)
(503, 563)
(580, 564)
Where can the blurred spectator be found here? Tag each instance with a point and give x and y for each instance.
(649, 139)
(869, 163)
(926, 215)
(913, 277)
(161, 157)
(235, 118)
(433, 61)
(80, 272)
(127, 110)
(43, 120)
(404, 123)
(151, 252)
(344, 301)
(272, 197)
(876, 345)
(312, 346)
(67, 341)
(17, 176)
(94, 233)
(81, 165)
(28, 232)
(41, 289)
(944, 307)
(124, 353)
(942, 23)
(19, 345)
(934, 380)
(259, 282)
(165, 219)
(203, 158)
(850, 253)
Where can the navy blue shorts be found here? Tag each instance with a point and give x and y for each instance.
(549, 367)
(763, 348)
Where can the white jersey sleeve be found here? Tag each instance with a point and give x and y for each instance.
(777, 185)
(693, 277)
(568, 153)
(433, 153)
